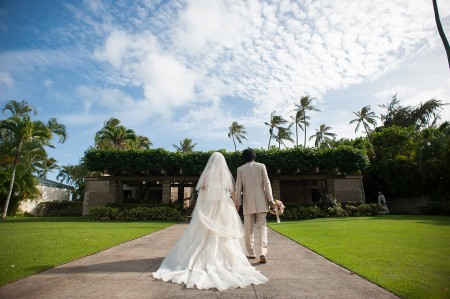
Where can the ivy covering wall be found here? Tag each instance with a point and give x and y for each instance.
(155, 161)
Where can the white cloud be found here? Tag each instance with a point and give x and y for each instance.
(6, 79)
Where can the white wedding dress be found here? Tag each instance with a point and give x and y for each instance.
(210, 253)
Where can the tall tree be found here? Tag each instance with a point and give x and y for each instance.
(140, 142)
(323, 135)
(366, 118)
(441, 31)
(276, 121)
(46, 166)
(282, 135)
(305, 104)
(113, 135)
(420, 116)
(236, 131)
(186, 146)
(22, 130)
(299, 120)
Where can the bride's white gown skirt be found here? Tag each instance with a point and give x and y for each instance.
(210, 253)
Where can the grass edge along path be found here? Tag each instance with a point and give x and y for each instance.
(405, 254)
(32, 245)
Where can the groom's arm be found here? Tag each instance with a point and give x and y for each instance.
(238, 197)
(267, 185)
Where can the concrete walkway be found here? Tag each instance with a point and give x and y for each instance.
(125, 271)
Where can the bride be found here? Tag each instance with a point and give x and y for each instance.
(210, 253)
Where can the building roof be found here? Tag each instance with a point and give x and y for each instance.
(49, 183)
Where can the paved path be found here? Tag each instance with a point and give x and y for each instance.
(124, 271)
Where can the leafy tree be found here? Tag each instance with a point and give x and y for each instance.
(323, 136)
(366, 118)
(393, 165)
(421, 116)
(432, 155)
(276, 121)
(186, 146)
(19, 131)
(282, 135)
(305, 104)
(300, 121)
(139, 143)
(113, 135)
(47, 165)
(237, 131)
(74, 176)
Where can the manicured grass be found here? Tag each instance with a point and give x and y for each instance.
(407, 255)
(32, 245)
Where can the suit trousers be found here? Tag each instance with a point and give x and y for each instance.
(256, 245)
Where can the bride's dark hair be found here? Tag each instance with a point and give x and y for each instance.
(249, 155)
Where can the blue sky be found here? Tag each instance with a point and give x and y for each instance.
(176, 69)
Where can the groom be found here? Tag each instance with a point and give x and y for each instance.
(253, 181)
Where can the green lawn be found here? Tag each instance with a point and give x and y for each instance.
(31, 245)
(407, 255)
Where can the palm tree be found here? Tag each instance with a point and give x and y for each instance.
(237, 131)
(299, 120)
(186, 146)
(112, 135)
(22, 130)
(140, 142)
(441, 31)
(48, 165)
(322, 135)
(305, 104)
(365, 117)
(283, 134)
(275, 122)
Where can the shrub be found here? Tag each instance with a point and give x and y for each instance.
(153, 161)
(436, 208)
(337, 211)
(104, 213)
(59, 208)
(370, 209)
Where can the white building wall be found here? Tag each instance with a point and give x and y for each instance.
(47, 194)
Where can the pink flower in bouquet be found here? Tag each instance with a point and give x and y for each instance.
(280, 206)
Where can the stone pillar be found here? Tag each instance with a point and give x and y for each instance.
(98, 193)
(331, 187)
(276, 190)
(166, 192)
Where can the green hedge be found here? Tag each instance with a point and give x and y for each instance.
(134, 162)
(103, 213)
(59, 208)
(310, 211)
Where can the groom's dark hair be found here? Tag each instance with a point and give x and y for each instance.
(249, 155)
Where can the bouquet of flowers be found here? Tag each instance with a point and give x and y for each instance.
(277, 209)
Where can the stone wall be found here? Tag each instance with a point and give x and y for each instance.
(98, 193)
(349, 189)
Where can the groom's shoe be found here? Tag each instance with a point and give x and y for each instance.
(262, 259)
(251, 257)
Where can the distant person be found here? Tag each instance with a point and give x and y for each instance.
(211, 253)
(254, 183)
(382, 202)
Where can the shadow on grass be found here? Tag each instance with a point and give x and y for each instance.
(138, 265)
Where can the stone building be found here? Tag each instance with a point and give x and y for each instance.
(290, 189)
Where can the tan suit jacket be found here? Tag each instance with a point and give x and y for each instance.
(253, 181)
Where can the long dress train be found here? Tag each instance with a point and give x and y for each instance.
(210, 253)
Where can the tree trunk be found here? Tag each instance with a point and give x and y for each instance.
(296, 133)
(270, 138)
(304, 115)
(235, 149)
(441, 31)
(13, 176)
